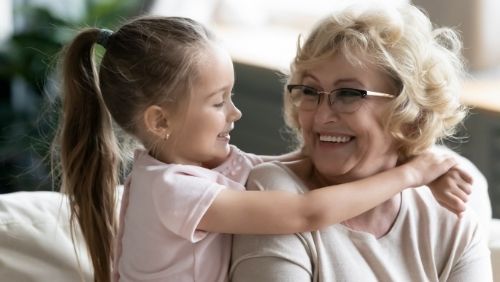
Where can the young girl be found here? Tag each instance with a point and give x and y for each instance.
(167, 82)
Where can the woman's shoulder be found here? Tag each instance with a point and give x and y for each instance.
(291, 168)
(274, 168)
(421, 203)
(456, 242)
(274, 176)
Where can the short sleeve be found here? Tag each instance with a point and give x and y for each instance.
(270, 258)
(253, 159)
(238, 165)
(181, 198)
(474, 263)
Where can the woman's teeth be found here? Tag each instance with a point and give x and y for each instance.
(335, 139)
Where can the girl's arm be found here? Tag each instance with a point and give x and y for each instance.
(291, 156)
(275, 212)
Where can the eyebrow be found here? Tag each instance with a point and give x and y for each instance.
(219, 90)
(348, 80)
(339, 81)
(309, 75)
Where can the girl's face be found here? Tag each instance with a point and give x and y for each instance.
(347, 146)
(202, 135)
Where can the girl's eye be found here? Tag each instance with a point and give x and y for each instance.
(220, 105)
(226, 97)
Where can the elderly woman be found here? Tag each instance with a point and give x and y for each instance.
(370, 87)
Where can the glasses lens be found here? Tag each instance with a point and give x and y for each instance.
(305, 98)
(346, 100)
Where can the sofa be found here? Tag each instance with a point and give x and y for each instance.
(36, 244)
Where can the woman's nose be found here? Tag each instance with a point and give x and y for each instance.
(325, 112)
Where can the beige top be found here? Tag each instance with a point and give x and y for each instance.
(426, 243)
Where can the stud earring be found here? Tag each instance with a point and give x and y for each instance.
(167, 135)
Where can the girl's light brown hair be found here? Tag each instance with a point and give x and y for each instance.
(148, 61)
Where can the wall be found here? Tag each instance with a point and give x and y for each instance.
(478, 22)
(258, 95)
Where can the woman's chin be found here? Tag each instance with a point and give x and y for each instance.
(333, 159)
(329, 167)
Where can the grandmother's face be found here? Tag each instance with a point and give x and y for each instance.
(348, 146)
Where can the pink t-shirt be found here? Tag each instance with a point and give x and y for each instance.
(161, 208)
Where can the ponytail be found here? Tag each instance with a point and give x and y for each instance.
(89, 153)
(136, 73)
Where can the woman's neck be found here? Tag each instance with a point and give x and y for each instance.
(377, 221)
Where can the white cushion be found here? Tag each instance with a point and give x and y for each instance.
(35, 243)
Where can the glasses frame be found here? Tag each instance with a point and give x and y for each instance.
(364, 93)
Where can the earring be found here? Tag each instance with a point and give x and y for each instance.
(167, 135)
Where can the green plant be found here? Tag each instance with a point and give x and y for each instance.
(27, 62)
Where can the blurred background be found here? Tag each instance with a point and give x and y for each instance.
(261, 36)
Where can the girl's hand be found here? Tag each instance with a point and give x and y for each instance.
(452, 189)
(428, 166)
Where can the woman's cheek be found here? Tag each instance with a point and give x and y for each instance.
(305, 123)
(307, 139)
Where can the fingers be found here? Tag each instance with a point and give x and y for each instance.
(459, 190)
(453, 203)
(452, 189)
(463, 174)
(459, 179)
(432, 166)
(451, 194)
(442, 164)
(465, 187)
(459, 194)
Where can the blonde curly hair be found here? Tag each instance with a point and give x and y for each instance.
(424, 62)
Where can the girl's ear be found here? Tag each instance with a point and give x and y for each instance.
(156, 120)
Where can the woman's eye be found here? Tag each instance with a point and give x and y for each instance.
(349, 96)
(309, 91)
(348, 93)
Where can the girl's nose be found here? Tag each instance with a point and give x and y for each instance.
(234, 112)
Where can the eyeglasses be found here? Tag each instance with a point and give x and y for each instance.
(342, 100)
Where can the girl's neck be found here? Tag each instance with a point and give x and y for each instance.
(213, 163)
(168, 159)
